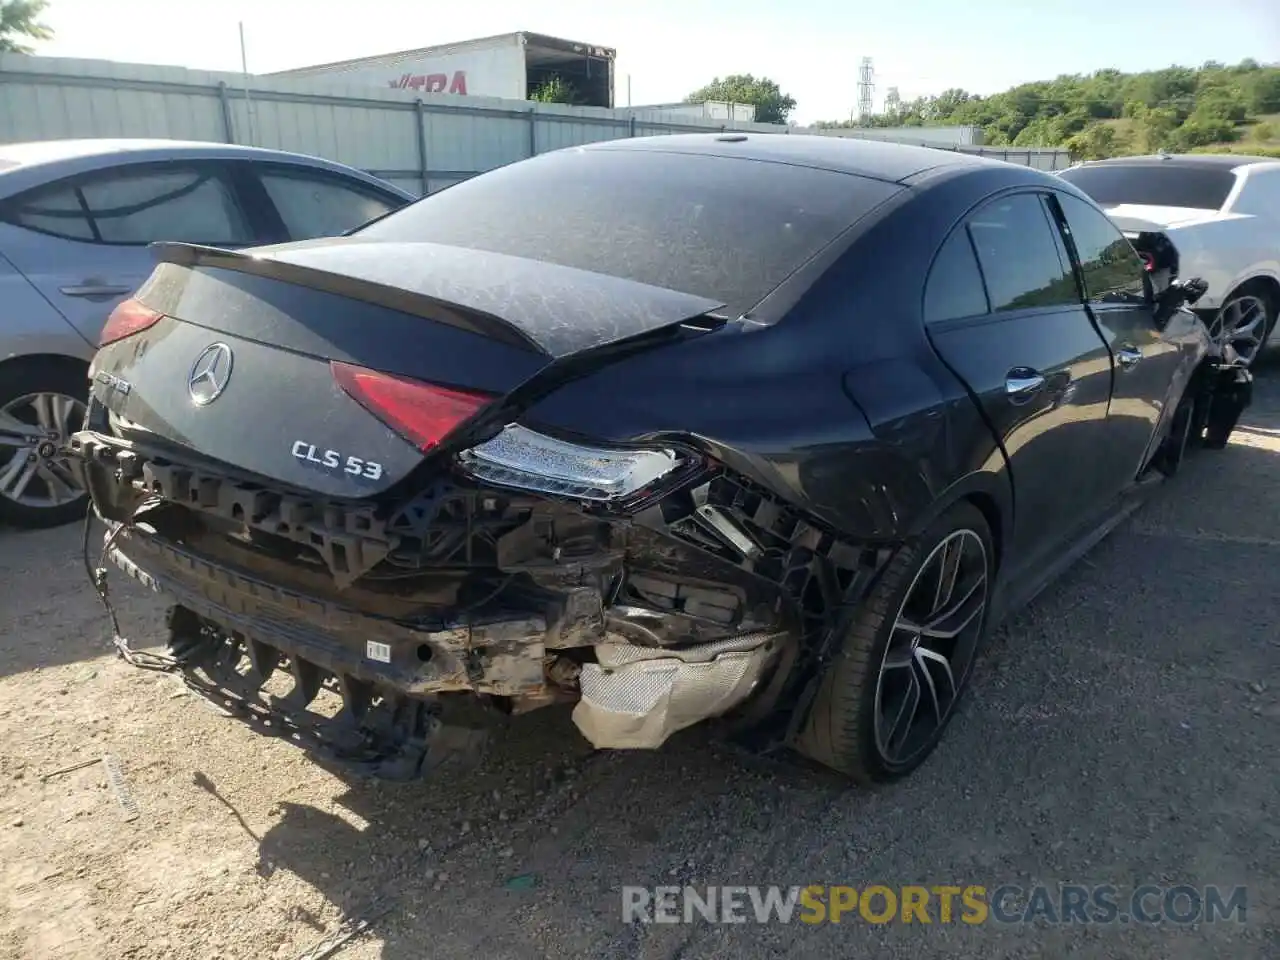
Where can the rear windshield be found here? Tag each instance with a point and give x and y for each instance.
(727, 229)
(1202, 188)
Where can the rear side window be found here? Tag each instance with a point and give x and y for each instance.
(722, 228)
(192, 206)
(1261, 194)
(954, 288)
(318, 206)
(1019, 257)
(1201, 188)
(57, 211)
(138, 206)
(1111, 268)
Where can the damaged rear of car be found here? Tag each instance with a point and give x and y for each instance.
(321, 452)
(650, 427)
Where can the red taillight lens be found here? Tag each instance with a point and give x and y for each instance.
(422, 413)
(127, 319)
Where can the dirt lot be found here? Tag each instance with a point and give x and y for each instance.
(1126, 730)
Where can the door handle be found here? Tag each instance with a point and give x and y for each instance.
(1128, 356)
(1022, 384)
(94, 289)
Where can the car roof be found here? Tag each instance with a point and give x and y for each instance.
(876, 159)
(31, 164)
(1208, 161)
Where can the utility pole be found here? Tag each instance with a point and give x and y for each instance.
(248, 104)
(866, 89)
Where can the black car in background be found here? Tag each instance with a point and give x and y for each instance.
(768, 429)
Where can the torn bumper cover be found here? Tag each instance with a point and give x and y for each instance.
(470, 602)
(637, 697)
(631, 698)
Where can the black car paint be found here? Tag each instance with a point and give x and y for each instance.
(858, 411)
(857, 414)
(277, 330)
(831, 393)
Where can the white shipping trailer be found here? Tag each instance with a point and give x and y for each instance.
(511, 66)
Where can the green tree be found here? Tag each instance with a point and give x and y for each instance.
(21, 19)
(1152, 127)
(1199, 131)
(1212, 102)
(1264, 90)
(1098, 141)
(554, 90)
(1221, 99)
(772, 105)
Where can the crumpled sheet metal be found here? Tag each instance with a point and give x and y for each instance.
(635, 698)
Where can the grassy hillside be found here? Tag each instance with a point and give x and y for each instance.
(1108, 113)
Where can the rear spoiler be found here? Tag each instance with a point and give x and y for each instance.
(544, 308)
(1134, 225)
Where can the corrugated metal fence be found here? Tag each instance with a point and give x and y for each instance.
(422, 144)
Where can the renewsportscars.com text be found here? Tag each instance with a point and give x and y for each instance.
(970, 904)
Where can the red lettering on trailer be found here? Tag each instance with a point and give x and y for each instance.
(432, 82)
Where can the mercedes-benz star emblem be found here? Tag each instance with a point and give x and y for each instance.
(209, 374)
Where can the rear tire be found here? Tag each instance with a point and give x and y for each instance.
(852, 726)
(32, 391)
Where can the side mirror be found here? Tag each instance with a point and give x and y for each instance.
(1174, 297)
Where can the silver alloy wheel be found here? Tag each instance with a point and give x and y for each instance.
(1242, 322)
(33, 429)
(931, 648)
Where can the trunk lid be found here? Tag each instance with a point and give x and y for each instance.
(1163, 217)
(319, 365)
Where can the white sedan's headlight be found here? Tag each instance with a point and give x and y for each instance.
(526, 460)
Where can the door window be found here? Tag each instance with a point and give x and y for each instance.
(954, 288)
(138, 205)
(1019, 256)
(318, 206)
(1111, 269)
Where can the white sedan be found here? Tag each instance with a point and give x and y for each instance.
(1222, 211)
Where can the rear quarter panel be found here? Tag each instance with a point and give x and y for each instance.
(1226, 252)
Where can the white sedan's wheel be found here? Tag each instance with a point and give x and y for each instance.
(41, 405)
(1245, 321)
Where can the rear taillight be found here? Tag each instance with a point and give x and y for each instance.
(128, 318)
(422, 413)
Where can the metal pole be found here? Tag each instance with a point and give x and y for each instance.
(419, 116)
(248, 104)
(533, 131)
(628, 89)
(228, 131)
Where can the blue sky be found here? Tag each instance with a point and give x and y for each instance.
(669, 47)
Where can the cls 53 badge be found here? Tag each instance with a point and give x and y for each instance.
(335, 461)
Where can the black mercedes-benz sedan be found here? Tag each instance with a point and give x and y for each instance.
(765, 430)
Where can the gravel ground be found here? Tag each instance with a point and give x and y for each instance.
(1124, 730)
